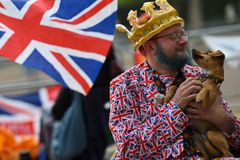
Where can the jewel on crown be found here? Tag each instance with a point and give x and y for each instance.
(151, 22)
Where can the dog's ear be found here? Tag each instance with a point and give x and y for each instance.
(217, 54)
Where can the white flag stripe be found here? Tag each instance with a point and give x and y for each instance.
(33, 112)
(99, 17)
(44, 98)
(74, 29)
(66, 51)
(6, 36)
(79, 70)
(66, 76)
(18, 118)
(69, 27)
(53, 11)
(27, 107)
(11, 10)
(69, 80)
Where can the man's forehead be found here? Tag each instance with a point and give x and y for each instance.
(174, 28)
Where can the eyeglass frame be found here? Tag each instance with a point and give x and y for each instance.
(175, 36)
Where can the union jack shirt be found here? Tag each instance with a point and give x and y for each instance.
(144, 130)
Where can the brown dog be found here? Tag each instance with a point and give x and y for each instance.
(207, 137)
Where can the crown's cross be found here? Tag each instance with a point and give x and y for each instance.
(148, 7)
(162, 4)
(132, 18)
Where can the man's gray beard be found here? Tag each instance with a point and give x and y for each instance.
(175, 62)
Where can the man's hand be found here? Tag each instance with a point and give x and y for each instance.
(187, 92)
(214, 114)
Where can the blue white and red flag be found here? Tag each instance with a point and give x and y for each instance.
(67, 39)
(21, 114)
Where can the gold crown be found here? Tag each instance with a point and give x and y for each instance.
(151, 23)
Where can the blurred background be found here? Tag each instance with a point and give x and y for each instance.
(206, 21)
(212, 25)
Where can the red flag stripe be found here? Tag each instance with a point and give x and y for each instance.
(14, 109)
(89, 14)
(72, 71)
(17, 42)
(1, 5)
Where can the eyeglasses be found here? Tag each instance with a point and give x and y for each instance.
(175, 36)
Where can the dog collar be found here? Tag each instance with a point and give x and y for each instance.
(215, 79)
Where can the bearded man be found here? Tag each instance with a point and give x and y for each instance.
(142, 124)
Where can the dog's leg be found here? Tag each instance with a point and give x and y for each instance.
(213, 152)
(199, 142)
(206, 97)
(202, 95)
(170, 93)
(218, 140)
(211, 94)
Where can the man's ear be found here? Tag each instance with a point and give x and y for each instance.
(149, 47)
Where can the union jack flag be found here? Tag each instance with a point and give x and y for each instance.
(21, 114)
(67, 39)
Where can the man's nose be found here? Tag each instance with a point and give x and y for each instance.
(183, 40)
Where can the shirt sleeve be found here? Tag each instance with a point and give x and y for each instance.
(138, 136)
(234, 138)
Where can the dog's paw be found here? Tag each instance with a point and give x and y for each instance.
(199, 98)
(199, 101)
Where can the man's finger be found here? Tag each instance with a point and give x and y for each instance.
(191, 111)
(193, 104)
(193, 117)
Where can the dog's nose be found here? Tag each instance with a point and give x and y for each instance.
(195, 54)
